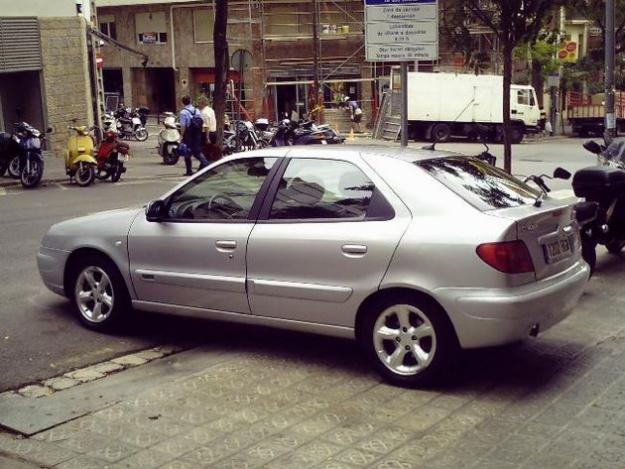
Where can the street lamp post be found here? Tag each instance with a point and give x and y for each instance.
(610, 117)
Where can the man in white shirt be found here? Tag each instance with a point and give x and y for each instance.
(210, 121)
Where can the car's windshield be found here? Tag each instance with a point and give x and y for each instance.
(482, 185)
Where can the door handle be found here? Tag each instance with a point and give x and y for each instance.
(359, 249)
(226, 244)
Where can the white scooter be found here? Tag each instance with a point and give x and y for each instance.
(169, 139)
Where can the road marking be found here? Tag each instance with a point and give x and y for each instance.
(62, 187)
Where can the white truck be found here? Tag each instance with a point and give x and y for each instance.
(441, 105)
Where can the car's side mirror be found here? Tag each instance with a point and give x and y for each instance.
(592, 147)
(561, 173)
(155, 211)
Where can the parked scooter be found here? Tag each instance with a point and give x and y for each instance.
(111, 156)
(332, 136)
(604, 187)
(79, 161)
(169, 139)
(31, 156)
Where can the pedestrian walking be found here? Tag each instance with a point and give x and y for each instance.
(355, 113)
(191, 126)
(549, 128)
(210, 121)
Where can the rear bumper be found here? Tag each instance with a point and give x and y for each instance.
(488, 317)
(51, 263)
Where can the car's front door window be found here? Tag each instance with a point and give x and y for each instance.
(226, 192)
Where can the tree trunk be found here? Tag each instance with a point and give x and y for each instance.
(220, 48)
(538, 81)
(507, 82)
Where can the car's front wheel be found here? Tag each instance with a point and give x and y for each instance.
(100, 294)
(408, 339)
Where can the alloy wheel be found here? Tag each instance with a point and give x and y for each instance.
(94, 294)
(404, 339)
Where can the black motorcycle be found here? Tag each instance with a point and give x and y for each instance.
(31, 165)
(129, 124)
(603, 188)
(292, 133)
(9, 154)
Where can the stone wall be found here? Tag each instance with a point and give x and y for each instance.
(67, 91)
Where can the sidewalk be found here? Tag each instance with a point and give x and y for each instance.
(252, 397)
(145, 163)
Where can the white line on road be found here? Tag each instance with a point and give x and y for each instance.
(62, 187)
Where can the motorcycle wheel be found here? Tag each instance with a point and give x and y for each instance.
(141, 134)
(117, 172)
(33, 177)
(615, 247)
(85, 175)
(102, 174)
(170, 157)
(14, 167)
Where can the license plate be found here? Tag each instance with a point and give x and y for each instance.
(560, 249)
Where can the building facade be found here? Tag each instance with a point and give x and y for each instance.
(44, 66)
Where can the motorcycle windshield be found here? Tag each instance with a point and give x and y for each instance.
(616, 151)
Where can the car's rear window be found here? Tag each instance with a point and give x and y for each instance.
(482, 185)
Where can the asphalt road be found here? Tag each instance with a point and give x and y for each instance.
(39, 335)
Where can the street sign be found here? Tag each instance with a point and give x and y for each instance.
(401, 30)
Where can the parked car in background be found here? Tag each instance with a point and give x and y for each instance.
(415, 253)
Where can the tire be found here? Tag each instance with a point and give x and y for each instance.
(14, 167)
(589, 253)
(437, 343)
(85, 175)
(516, 135)
(615, 247)
(32, 178)
(141, 134)
(170, 155)
(102, 174)
(440, 132)
(95, 279)
(117, 174)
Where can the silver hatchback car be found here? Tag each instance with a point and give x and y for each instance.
(414, 253)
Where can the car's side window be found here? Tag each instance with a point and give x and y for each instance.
(226, 192)
(322, 189)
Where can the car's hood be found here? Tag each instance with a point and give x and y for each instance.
(70, 234)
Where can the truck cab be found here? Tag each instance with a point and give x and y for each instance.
(524, 106)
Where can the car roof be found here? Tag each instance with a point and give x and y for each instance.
(349, 152)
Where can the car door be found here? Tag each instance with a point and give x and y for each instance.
(195, 255)
(323, 241)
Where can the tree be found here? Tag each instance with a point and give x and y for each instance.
(220, 48)
(542, 60)
(514, 22)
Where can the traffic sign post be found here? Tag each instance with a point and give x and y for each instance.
(401, 31)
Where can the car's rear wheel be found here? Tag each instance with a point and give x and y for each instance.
(408, 339)
(99, 293)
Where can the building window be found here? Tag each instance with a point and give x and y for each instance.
(106, 23)
(151, 27)
(203, 21)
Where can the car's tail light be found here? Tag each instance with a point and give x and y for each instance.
(510, 257)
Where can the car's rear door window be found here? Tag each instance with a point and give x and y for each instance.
(482, 185)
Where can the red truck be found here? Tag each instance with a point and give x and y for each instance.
(588, 119)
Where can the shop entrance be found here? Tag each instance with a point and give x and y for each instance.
(20, 99)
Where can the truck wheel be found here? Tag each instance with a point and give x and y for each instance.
(516, 134)
(440, 132)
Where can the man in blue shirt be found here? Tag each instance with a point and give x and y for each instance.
(191, 135)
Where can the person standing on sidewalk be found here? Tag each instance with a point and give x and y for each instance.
(191, 126)
(210, 121)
